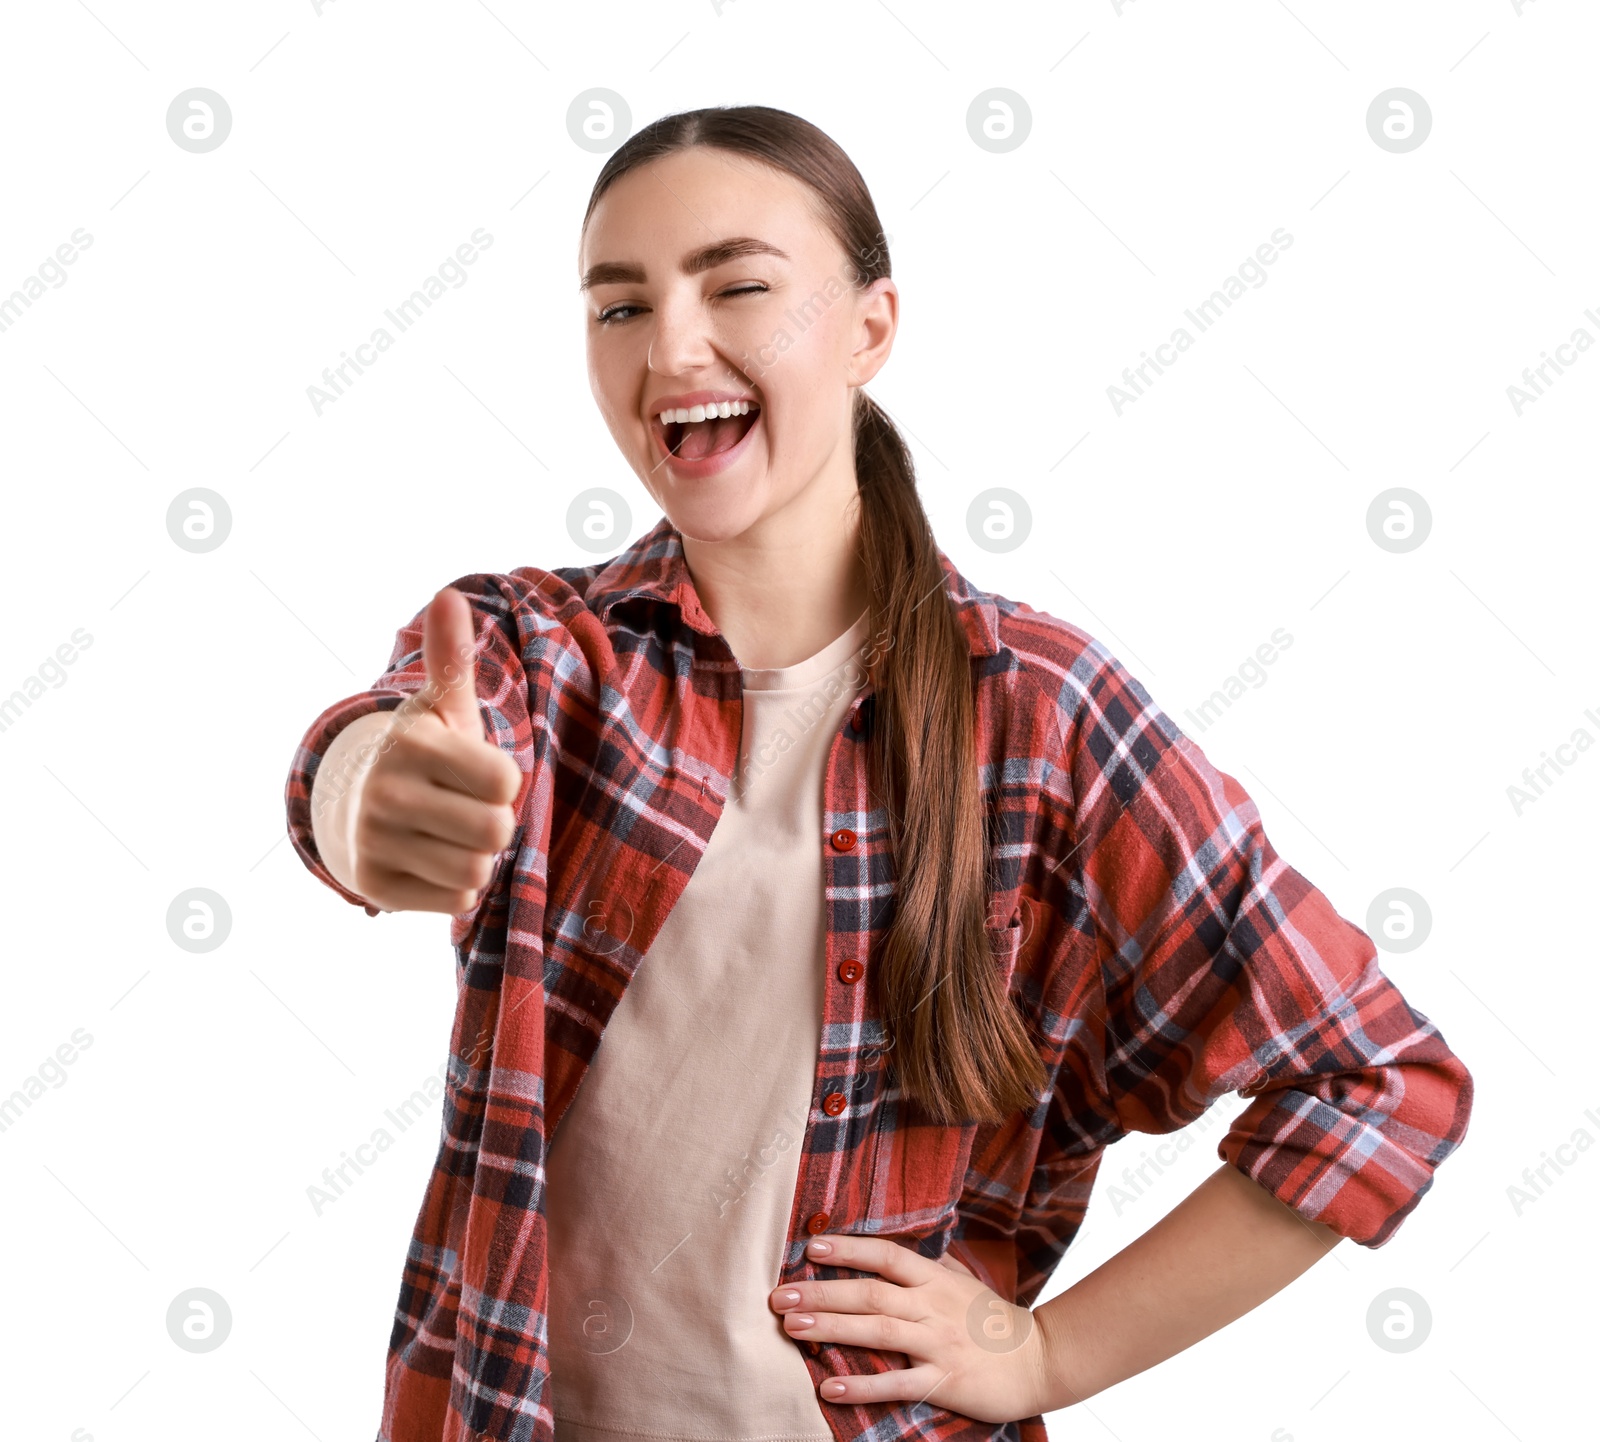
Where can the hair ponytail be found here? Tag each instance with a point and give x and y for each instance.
(958, 1046)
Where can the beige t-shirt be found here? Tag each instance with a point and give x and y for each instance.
(672, 1174)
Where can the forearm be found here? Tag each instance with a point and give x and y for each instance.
(1223, 1250)
(337, 790)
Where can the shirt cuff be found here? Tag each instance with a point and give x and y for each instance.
(308, 758)
(1329, 1166)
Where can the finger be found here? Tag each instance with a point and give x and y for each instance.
(879, 1332)
(861, 1295)
(453, 762)
(409, 803)
(872, 1254)
(397, 891)
(898, 1384)
(447, 655)
(468, 764)
(426, 858)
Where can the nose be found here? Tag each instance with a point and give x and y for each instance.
(682, 337)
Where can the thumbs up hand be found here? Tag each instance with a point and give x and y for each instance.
(435, 809)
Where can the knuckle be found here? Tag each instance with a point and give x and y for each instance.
(375, 789)
(405, 743)
(368, 832)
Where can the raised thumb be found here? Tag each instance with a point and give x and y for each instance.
(447, 655)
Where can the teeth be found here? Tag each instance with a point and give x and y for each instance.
(701, 413)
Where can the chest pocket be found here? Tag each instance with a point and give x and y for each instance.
(919, 1168)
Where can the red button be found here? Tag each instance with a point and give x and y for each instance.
(817, 1222)
(850, 971)
(844, 840)
(858, 722)
(834, 1103)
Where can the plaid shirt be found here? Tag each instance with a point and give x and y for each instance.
(1162, 952)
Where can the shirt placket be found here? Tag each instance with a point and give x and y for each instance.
(833, 1188)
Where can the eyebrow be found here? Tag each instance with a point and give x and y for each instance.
(719, 252)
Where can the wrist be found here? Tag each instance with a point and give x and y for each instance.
(1063, 1355)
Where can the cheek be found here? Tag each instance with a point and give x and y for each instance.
(612, 385)
(802, 367)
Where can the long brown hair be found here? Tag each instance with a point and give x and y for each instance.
(960, 1048)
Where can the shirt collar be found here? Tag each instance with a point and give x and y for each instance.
(654, 567)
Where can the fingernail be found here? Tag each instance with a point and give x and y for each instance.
(788, 1299)
(819, 1248)
(833, 1389)
(801, 1319)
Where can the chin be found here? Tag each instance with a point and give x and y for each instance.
(710, 524)
(708, 511)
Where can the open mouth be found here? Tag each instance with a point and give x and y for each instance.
(700, 440)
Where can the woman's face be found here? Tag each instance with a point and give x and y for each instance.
(688, 303)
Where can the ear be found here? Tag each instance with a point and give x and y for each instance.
(877, 315)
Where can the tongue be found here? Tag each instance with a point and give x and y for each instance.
(711, 438)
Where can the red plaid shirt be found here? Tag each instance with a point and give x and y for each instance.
(1162, 951)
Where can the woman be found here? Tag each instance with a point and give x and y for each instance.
(937, 904)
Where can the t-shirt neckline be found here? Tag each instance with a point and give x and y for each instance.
(805, 673)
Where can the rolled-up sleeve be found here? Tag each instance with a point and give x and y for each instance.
(502, 701)
(1222, 969)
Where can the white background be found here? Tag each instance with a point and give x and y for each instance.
(1167, 142)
